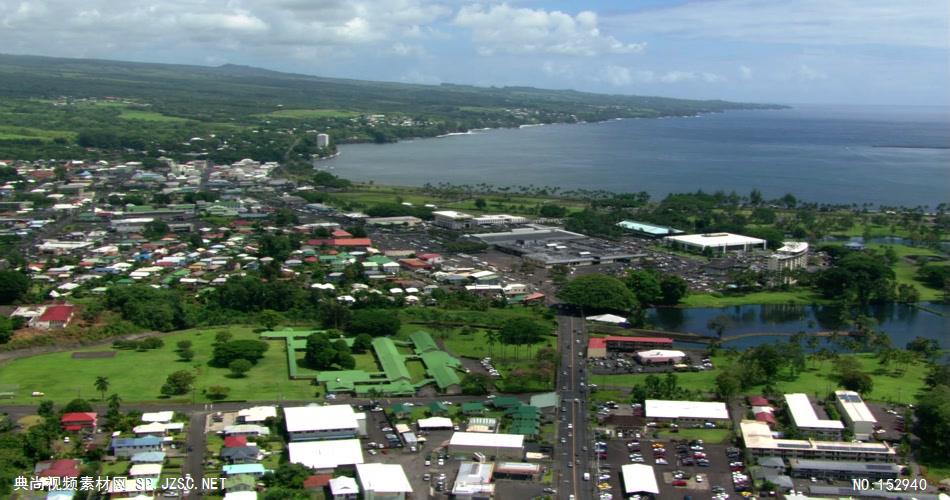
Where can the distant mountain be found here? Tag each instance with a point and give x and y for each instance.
(230, 91)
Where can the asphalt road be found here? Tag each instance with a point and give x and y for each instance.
(573, 455)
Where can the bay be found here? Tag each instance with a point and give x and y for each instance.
(887, 156)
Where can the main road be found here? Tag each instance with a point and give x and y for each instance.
(572, 450)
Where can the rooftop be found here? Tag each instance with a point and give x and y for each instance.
(803, 413)
(656, 408)
(383, 478)
(326, 454)
(320, 418)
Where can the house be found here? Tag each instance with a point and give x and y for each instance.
(148, 457)
(235, 441)
(246, 430)
(257, 414)
(344, 488)
(126, 447)
(256, 470)
(54, 317)
(503, 446)
(240, 482)
(317, 482)
(65, 468)
(240, 454)
(383, 481)
(78, 421)
(474, 481)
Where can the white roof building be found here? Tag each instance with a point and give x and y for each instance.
(257, 414)
(387, 479)
(487, 440)
(716, 241)
(322, 455)
(138, 470)
(660, 355)
(608, 318)
(759, 439)
(320, 418)
(435, 423)
(693, 410)
(803, 414)
(639, 478)
(474, 480)
(158, 416)
(856, 413)
(240, 495)
(343, 486)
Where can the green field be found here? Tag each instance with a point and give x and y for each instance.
(906, 269)
(897, 383)
(151, 116)
(138, 376)
(367, 195)
(801, 296)
(9, 132)
(306, 114)
(709, 436)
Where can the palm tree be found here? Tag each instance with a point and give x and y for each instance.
(102, 385)
(491, 336)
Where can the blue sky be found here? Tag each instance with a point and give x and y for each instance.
(789, 51)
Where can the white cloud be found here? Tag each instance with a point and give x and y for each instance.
(920, 23)
(808, 74)
(745, 72)
(502, 28)
(620, 76)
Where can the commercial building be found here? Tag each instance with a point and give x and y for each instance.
(326, 455)
(685, 411)
(308, 423)
(842, 470)
(400, 220)
(803, 416)
(760, 442)
(450, 219)
(793, 255)
(501, 446)
(383, 481)
(856, 414)
(716, 242)
(599, 347)
(660, 356)
(474, 481)
(639, 479)
(648, 230)
(499, 219)
(323, 140)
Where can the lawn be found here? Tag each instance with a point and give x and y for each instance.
(10, 132)
(709, 436)
(138, 376)
(937, 472)
(366, 362)
(149, 116)
(906, 269)
(801, 296)
(895, 383)
(490, 317)
(417, 370)
(367, 195)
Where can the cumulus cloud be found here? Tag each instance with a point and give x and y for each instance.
(253, 25)
(503, 28)
(745, 72)
(620, 76)
(922, 23)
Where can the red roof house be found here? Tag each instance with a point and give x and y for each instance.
(758, 401)
(78, 421)
(340, 233)
(317, 481)
(764, 416)
(55, 317)
(235, 441)
(57, 468)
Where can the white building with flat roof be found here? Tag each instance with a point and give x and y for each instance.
(856, 414)
(305, 423)
(502, 446)
(257, 414)
(639, 479)
(717, 242)
(451, 219)
(685, 411)
(326, 455)
(383, 481)
(792, 255)
(804, 417)
(760, 441)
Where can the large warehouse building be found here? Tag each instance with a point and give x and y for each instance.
(717, 242)
(599, 347)
(500, 446)
(842, 470)
(309, 423)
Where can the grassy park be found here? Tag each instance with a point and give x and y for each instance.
(897, 383)
(138, 376)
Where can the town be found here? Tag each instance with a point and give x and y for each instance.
(237, 331)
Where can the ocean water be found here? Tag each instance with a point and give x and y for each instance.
(886, 156)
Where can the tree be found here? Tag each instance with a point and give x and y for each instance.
(102, 385)
(155, 229)
(552, 211)
(77, 406)
(217, 392)
(933, 421)
(269, 318)
(13, 284)
(858, 381)
(522, 331)
(251, 350)
(480, 203)
(476, 384)
(45, 408)
(183, 344)
(178, 383)
(645, 285)
(728, 384)
(362, 343)
(334, 314)
(598, 291)
(222, 337)
(719, 324)
(857, 277)
(186, 354)
(672, 289)
(375, 322)
(239, 367)
(345, 360)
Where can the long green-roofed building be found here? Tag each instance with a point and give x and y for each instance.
(393, 363)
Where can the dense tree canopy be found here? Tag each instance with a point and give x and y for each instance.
(375, 322)
(598, 291)
(857, 277)
(13, 284)
(227, 352)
